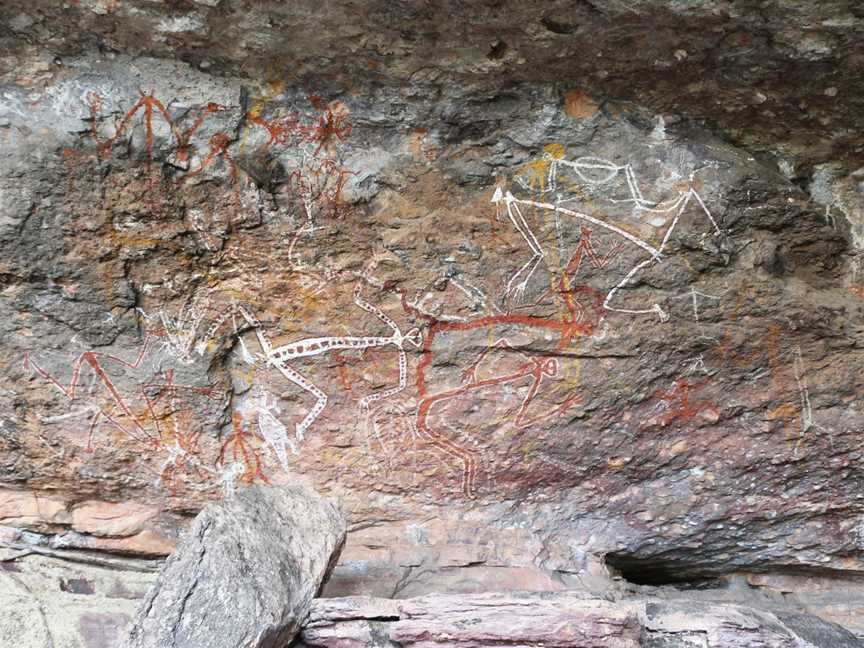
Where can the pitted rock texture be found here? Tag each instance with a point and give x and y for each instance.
(781, 77)
(245, 574)
(559, 621)
(519, 325)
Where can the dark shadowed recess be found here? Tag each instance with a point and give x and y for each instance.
(658, 571)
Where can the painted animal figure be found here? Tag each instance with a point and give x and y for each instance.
(533, 367)
(587, 168)
(565, 328)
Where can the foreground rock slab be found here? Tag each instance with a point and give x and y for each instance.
(560, 620)
(245, 574)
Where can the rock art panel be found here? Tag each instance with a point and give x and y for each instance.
(468, 318)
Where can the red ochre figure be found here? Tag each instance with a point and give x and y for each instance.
(681, 407)
(238, 448)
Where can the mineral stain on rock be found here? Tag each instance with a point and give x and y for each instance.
(579, 105)
(77, 586)
(103, 630)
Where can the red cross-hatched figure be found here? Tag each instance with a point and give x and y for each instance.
(566, 328)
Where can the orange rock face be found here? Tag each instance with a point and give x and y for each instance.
(111, 519)
(579, 105)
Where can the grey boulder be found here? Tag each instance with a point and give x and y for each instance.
(245, 573)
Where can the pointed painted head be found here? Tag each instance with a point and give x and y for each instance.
(414, 337)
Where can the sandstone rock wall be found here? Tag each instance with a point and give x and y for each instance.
(521, 327)
(559, 620)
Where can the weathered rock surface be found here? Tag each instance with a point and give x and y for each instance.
(87, 600)
(561, 620)
(245, 574)
(53, 598)
(534, 288)
(781, 77)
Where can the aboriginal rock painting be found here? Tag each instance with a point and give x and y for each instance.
(271, 340)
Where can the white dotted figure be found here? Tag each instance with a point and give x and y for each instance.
(280, 357)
